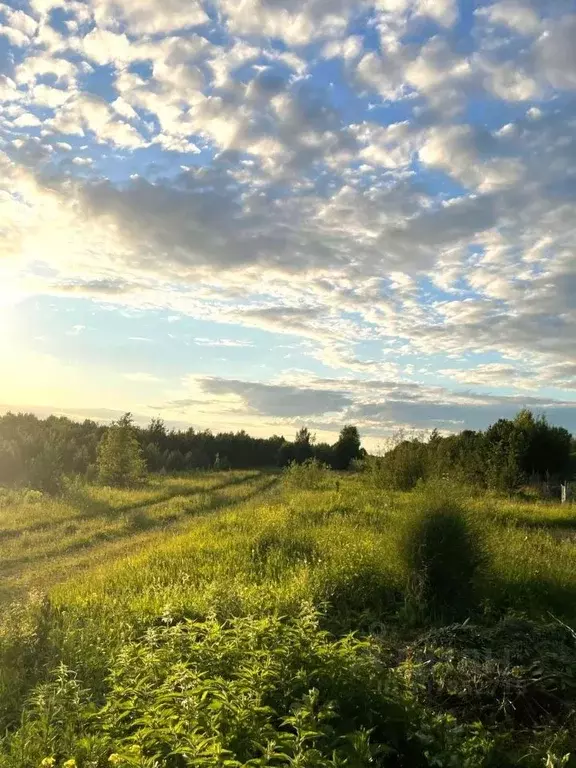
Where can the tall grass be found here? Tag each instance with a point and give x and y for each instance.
(209, 618)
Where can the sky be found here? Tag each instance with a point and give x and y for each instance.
(259, 214)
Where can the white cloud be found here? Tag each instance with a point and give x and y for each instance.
(147, 17)
(556, 53)
(27, 120)
(457, 150)
(203, 342)
(416, 226)
(292, 21)
(103, 47)
(517, 15)
(43, 64)
(86, 112)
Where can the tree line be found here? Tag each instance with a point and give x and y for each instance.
(507, 455)
(40, 453)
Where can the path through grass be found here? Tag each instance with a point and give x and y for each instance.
(44, 540)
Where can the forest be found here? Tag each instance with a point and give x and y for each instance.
(41, 453)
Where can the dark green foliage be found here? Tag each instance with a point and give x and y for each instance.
(442, 556)
(517, 672)
(120, 461)
(348, 447)
(324, 454)
(258, 692)
(221, 463)
(38, 453)
(401, 468)
(508, 454)
(24, 437)
(45, 469)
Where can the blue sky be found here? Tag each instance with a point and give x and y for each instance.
(265, 213)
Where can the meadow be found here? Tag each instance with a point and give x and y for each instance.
(297, 619)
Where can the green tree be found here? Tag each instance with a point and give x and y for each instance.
(302, 448)
(120, 460)
(347, 448)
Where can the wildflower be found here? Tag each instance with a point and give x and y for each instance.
(48, 762)
(115, 759)
(69, 763)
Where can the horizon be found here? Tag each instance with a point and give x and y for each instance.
(264, 215)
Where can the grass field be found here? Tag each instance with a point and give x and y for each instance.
(206, 620)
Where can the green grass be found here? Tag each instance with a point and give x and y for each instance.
(207, 619)
(43, 540)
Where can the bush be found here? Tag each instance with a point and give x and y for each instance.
(401, 468)
(45, 470)
(441, 555)
(221, 463)
(308, 476)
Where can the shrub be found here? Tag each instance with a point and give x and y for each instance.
(308, 476)
(45, 470)
(256, 692)
(221, 463)
(401, 468)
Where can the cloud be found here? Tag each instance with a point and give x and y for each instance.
(377, 407)
(147, 17)
(518, 16)
(407, 207)
(271, 399)
(555, 52)
(471, 157)
(86, 112)
(294, 22)
(111, 287)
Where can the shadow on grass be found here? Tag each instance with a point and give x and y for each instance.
(97, 508)
(94, 508)
(140, 522)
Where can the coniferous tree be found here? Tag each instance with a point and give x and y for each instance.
(120, 460)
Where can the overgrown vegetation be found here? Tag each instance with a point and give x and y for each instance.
(120, 461)
(310, 618)
(313, 620)
(507, 455)
(43, 453)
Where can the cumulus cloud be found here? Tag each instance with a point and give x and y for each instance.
(414, 197)
(292, 21)
(146, 17)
